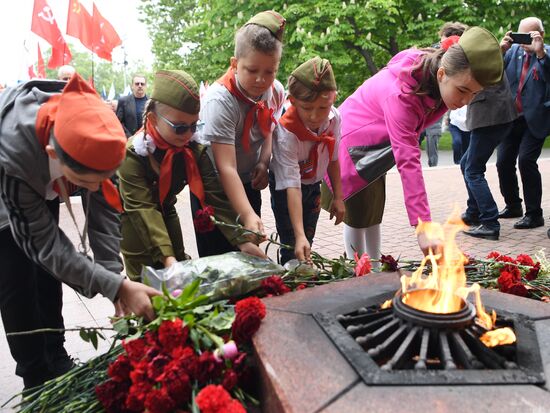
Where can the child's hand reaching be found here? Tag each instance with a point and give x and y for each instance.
(337, 210)
(302, 249)
(259, 176)
(254, 223)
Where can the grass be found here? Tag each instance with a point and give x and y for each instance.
(445, 143)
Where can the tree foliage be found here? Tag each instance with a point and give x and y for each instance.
(357, 36)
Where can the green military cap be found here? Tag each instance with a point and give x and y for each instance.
(483, 52)
(177, 89)
(272, 21)
(316, 74)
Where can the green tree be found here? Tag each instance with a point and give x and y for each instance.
(357, 36)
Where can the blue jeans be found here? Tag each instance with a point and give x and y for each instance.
(461, 140)
(481, 203)
(311, 198)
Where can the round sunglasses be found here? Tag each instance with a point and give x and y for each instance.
(179, 128)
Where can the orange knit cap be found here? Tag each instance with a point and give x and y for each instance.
(86, 129)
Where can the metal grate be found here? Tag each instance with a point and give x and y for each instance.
(401, 345)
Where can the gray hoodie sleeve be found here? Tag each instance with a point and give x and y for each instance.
(38, 235)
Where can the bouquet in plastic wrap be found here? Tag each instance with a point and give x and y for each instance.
(227, 275)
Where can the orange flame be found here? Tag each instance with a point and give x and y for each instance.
(498, 337)
(446, 284)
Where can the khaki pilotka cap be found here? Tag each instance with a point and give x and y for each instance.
(177, 89)
(483, 52)
(272, 21)
(316, 74)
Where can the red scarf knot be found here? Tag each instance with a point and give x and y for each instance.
(191, 169)
(292, 122)
(264, 114)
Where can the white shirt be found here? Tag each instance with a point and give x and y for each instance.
(289, 151)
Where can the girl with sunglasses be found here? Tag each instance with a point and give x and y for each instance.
(161, 159)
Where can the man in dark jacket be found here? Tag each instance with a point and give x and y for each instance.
(130, 108)
(528, 69)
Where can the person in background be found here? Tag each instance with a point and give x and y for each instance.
(65, 72)
(528, 69)
(305, 148)
(71, 139)
(490, 116)
(388, 112)
(239, 113)
(460, 134)
(160, 161)
(130, 108)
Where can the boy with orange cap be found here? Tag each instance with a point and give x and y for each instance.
(52, 138)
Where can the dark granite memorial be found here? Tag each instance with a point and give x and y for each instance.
(309, 362)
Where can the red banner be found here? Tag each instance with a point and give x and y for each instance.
(80, 24)
(105, 37)
(41, 69)
(45, 26)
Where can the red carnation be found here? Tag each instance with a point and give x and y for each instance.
(251, 304)
(505, 280)
(208, 367)
(533, 272)
(229, 380)
(301, 286)
(172, 334)
(156, 366)
(514, 270)
(245, 326)
(203, 221)
(524, 259)
(135, 401)
(388, 263)
(134, 348)
(177, 385)
(505, 258)
(112, 395)
(120, 369)
(187, 360)
(518, 289)
(275, 285)
(158, 401)
(215, 399)
(363, 265)
(493, 255)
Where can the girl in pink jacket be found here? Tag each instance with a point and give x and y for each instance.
(381, 122)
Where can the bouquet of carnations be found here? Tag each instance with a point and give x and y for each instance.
(192, 357)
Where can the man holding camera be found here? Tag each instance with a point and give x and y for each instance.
(527, 65)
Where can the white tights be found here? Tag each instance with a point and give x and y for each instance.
(362, 240)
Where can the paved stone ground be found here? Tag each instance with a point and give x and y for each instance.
(445, 189)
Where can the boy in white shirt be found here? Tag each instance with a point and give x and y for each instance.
(305, 149)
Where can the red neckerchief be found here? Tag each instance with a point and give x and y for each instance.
(44, 124)
(292, 122)
(191, 169)
(264, 113)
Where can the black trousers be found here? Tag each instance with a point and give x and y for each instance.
(214, 242)
(520, 145)
(30, 299)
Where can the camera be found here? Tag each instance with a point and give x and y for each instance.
(521, 38)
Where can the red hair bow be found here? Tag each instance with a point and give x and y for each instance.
(449, 41)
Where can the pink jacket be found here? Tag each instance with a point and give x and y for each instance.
(381, 110)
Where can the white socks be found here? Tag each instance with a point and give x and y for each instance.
(362, 240)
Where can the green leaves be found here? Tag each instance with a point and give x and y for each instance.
(91, 335)
(358, 39)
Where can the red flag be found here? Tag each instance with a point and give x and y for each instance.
(105, 37)
(41, 70)
(45, 26)
(30, 71)
(80, 24)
